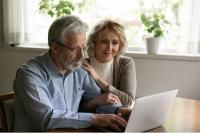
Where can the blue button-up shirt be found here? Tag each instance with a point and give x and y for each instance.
(45, 99)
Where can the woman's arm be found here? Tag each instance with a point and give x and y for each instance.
(101, 82)
(103, 99)
(124, 85)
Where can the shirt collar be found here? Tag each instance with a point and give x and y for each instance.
(51, 66)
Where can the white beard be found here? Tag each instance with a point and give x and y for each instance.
(72, 66)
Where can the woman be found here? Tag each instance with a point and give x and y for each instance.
(114, 73)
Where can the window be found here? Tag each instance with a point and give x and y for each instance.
(183, 15)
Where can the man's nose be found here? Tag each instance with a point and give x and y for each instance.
(80, 54)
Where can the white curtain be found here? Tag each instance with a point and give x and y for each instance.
(15, 22)
(190, 27)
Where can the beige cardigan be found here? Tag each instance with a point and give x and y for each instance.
(124, 80)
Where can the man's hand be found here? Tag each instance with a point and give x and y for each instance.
(124, 112)
(109, 121)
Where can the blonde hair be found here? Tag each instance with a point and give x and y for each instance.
(100, 27)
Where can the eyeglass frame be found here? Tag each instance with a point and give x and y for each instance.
(74, 50)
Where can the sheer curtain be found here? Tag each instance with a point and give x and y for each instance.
(15, 21)
(190, 27)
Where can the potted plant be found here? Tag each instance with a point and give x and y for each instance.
(155, 26)
(56, 8)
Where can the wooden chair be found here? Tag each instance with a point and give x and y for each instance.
(7, 111)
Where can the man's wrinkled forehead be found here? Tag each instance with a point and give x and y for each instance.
(75, 39)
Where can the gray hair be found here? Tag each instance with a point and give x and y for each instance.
(65, 25)
(99, 28)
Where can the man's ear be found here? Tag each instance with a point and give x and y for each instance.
(54, 48)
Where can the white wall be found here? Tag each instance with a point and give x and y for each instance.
(153, 75)
(9, 62)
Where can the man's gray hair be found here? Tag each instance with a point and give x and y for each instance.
(64, 25)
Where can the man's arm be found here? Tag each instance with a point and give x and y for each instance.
(30, 89)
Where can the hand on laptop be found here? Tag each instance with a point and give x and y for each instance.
(124, 112)
(109, 121)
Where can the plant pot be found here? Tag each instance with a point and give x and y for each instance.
(152, 44)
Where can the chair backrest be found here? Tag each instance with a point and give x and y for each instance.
(7, 111)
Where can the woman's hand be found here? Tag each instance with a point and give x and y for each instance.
(106, 98)
(90, 70)
(102, 83)
(103, 99)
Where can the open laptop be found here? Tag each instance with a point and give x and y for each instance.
(150, 111)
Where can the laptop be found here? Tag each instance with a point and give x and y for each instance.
(150, 111)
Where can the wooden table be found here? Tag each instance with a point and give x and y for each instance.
(184, 117)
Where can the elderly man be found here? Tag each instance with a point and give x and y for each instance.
(49, 87)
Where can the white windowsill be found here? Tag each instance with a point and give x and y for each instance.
(25, 48)
(163, 56)
(133, 54)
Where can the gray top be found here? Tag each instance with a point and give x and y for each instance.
(124, 80)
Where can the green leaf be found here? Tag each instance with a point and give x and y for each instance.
(58, 14)
(67, 11)
(51, 13)
(158, 33)
(150, 29)
(64, 7)
(154, 23)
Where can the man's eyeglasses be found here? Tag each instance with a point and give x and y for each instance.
(75, 50)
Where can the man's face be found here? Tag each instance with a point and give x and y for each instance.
(72, 54)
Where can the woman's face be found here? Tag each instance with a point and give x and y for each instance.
(106, 46)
